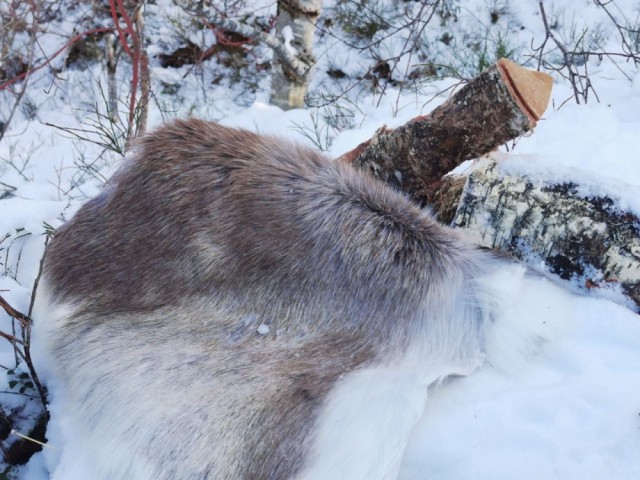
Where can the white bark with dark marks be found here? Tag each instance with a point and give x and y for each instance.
(588, 239)
(295, 28)
(501, 104)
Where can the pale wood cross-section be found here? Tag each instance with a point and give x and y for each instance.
(529, 89)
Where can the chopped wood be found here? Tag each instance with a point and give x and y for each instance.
(501, 104)
(528, 88)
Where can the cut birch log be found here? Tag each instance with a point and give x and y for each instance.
(588, 239)
(501, 104)
(585, 239)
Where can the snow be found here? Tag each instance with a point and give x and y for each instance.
(572, 411)
(287, 37)
(14, 208)
(595, 146)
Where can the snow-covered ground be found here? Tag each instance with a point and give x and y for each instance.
(572, 411)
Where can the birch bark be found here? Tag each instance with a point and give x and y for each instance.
(295, 28)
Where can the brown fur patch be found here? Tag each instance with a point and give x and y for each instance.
(209, 233)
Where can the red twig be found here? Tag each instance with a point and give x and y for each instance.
(117, 7)
(73, 40)
(24, 320)
(222, 38)
(116, 22)
(11, 338)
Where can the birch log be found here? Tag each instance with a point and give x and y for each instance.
(588, 239)
(501, 104)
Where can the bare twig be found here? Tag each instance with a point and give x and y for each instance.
(25, 325)
(112, 85)
(133, 28)
(24, 320)
(20, 95)
(577, 72)
(574, 76)
(11, 338)
(145, 75)
(628, 50)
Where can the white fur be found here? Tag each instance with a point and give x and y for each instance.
(364, 425)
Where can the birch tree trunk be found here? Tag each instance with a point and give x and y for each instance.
(295, 27)
(501, 104)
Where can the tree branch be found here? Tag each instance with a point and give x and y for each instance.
(48, 60)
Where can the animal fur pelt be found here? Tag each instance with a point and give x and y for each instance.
(236, 306)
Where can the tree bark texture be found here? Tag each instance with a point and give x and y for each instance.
(501, 104)
(288, 87)
(588, 239)
(291, 45)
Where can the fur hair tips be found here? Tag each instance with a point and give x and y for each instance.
(238, 306)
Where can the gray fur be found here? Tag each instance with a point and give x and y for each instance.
(162, 282)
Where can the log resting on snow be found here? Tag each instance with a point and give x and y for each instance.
(588, 238)
(501, 104)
